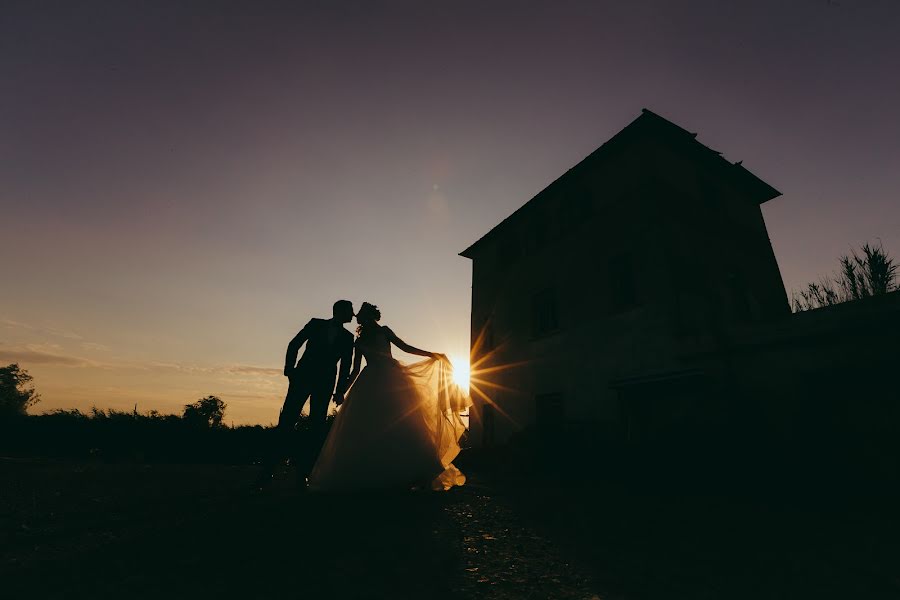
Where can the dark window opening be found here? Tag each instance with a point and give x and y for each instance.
(623, 288)
(509, 251)
(537, 233)
(549, 410)
(740, 298)
(575, 209)
(484, 343)
(487, 425)
(488, 343)
(545, 318)
(585, 205)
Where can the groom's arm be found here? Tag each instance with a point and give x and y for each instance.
(290, 358)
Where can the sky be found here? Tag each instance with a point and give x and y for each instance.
(184, 184)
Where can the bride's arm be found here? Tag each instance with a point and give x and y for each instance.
(410, 349)
(357, 367)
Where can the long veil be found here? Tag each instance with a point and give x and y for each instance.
(443, 401)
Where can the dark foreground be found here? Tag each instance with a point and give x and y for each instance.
(149, 531)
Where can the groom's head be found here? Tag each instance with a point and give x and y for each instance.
(342, 311)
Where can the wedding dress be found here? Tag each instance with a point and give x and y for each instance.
(399, 425)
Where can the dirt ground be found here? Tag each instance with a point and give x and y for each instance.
(73, 530)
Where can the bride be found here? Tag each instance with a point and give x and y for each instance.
(399, 425)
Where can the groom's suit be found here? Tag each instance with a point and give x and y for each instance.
(313, 377)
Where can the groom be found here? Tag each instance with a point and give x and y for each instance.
(313, 378)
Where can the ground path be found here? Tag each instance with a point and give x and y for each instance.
(148, 531)
(77, 529)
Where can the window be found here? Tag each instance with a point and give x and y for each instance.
(549, 410)
(585, 205)
(740, 298)
(487, 425)
(568, 213)
(544, 313)
(488, 343)
(686, 313)
(509, 250)
(484, 342)
(538, 233)
(576, 208)
(622, 283)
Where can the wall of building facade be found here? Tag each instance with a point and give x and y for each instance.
(608, 275)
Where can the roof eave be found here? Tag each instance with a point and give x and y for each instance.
(761, 191)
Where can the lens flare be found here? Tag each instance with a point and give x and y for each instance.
(461, 372)
(484, 367)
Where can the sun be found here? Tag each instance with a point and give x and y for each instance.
(460, 372)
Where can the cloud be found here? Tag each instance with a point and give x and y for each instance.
(55, 355)
(45, 348)
(71, 335)
(27, 356)
(95, 346)
(253, 370)
(180, 368)
(15, 324)
(47, 329)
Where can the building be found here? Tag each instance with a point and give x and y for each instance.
(613, 297)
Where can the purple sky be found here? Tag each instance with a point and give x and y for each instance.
(185, 183)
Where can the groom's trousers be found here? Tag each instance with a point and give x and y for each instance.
(301, 388)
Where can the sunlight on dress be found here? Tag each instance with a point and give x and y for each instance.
(399, 426)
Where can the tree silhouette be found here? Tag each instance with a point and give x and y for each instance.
(206, 412)
(15, 397)
(871, 273)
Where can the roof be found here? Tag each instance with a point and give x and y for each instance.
(658, 126)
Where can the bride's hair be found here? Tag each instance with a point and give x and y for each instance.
(368, 312)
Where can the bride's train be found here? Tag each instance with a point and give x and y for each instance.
(398, 427)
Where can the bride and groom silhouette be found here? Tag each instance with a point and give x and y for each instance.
(399, 425)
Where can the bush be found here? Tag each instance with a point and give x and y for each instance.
(871, 273)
